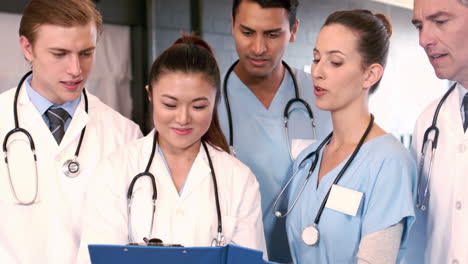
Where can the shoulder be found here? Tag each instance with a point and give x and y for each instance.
(230, 165)
(7, 96)
(388, 148)
(107, 116)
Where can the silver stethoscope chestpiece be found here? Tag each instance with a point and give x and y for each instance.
(71, 168)
(310, 235)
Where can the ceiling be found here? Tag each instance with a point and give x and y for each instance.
(401, 3)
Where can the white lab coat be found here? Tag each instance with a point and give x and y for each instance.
(447, 215)
(49, 231)
(190, 218)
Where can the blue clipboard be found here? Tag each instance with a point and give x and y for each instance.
(230, 254)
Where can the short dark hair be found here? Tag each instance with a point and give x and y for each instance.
(374, 31)
(289, 5)
(191, 54)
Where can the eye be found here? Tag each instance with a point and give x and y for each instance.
(273, 34)
(440, 22)
(336, 64)
(199, 107)
(315, 61)
(169, 105)
(87, 54)
(58, 55)
(247, 33)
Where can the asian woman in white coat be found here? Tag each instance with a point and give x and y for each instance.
(187, 155)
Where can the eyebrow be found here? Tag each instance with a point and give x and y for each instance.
(65, 50)
(194, 100)
(432, 17)
(267, 31)
(330, 51)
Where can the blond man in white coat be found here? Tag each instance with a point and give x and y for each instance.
(41, 209)
(443, 33)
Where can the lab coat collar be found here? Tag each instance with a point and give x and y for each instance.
(451, 111)
(79, 120)
(200, 173)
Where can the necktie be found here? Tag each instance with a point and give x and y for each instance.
(57, 118)
(465, 104)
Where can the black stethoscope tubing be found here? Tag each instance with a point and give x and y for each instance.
(433, 127)
(420, 203)
(153, 181)
(311, 170)
(17, 127)
(296, 98)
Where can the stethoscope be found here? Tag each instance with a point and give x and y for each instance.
(218, 241)
(310, 235)
(70, 168)
(296, 99)
(421, 201)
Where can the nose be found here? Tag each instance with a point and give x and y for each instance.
(427, 37)
(183, 116)
(259, 46)
(74, 66)
(317, 71)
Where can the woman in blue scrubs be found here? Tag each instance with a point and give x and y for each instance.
(359, 183)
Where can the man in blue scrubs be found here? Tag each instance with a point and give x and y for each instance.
(258, 90)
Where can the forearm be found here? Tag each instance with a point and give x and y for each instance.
(381, 247)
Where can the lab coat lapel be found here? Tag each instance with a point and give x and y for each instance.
(30, 119)
(451, 117)
(199, 173)
(79, 121)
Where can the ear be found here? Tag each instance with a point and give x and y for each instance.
(27, 48)
(373, 74)
(149, 92)
(294, 31)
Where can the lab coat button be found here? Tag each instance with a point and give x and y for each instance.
(179, 212)
(461, 148)
(458, 205)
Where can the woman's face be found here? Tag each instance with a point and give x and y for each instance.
(337, 70)
(183, 105)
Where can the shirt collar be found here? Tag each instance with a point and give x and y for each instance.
(42, 104)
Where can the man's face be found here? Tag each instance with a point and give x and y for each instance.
(261, 36)
(443, 33)
(61, 60)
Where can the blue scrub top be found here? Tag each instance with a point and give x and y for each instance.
(384, 172)
(260, 143)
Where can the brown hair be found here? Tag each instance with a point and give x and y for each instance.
(191, 54)
(65, 13)
(374, 32)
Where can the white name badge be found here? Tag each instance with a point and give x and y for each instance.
(344, 200)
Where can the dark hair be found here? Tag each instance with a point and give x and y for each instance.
(191, 54)
(65, 13)
(374, 32)
(289, 5)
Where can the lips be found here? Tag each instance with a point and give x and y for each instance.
(182, 131)
(436, 57)
(258, 61)
(72, 85)
(319, 91)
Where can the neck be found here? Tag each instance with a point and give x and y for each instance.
(349, 126)
(175, 153)
(263, 87)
